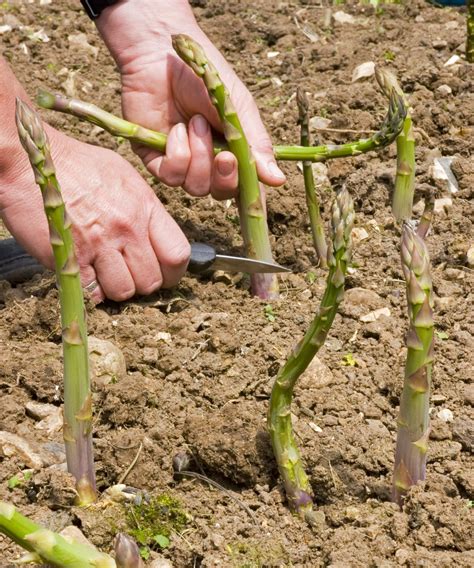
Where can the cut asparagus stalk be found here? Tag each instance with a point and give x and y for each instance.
(413, 421)
(286, 451)
(251, 203)
(77, 394)
(388, 132)
(45, 546)
(312, 200)
(402, 203)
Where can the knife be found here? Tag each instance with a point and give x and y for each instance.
(204, 257)
(16, 265)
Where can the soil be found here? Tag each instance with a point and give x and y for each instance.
(201, 359)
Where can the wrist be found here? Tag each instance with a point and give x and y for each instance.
(128, 26)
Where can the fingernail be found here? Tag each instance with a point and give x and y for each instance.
(275, 170)
(225, 167)
(201, 126)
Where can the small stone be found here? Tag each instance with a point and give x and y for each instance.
(50, 417)
(469, 394)
(452, 60)
(150, 355)
(359, 234)
(13, 445)
(319, 122)
(438, 398)
(4, 29)
(445, 415)
(463, 431)
(80, 41)
(442, 205)
(375, 315)
(402, 554)
(317, 375)
(217, 540)
(359, 301)
(107, 361)
(343, 17)
(160, 562)
(470, 256)
(444, 90)
(439, 44)
(74, 535)
(454, 274)
(363, 71)
(352, 513)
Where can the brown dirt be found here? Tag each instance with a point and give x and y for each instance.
(206, 389)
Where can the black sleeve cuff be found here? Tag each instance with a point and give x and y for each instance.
(94, 8)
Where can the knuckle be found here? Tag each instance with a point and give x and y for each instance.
(147, 289)
(121, 295)
(178, 255)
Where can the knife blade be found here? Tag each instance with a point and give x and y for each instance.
(204, 257)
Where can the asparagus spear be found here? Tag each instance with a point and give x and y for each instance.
(127, 553)
(46, 546)
(402, 203)
(77, 394)
(388, 132)
(312, 200)
(251, 204)
(279, 417)
(413, 421)
(470, 32)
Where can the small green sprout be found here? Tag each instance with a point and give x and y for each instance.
(19, 479)
(311, 277)
(389, 55)
(269, 313)
(349, 361)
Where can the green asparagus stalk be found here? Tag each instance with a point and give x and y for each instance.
(402, 203)
(470, 32)
(279, 417)
(251, 203)
(77, 393)
(388, 132)
(312, 200)
(413, 421)
(47, 547)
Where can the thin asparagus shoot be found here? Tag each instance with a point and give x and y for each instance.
(77, 393)
(402, 203)
(413, 421)
(286, 451)
(127, 553)
(312, 200)
(251, 204)
(387, 133)
(47, 547)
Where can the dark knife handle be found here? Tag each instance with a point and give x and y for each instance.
(202, 258)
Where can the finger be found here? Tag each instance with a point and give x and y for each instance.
(88, 277)
(225, 176)
(171, 169)
(170, 245)
(198, 177)
(144, 267)
(114, 276)
(259, 140)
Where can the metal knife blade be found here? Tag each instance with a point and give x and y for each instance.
(204, 257)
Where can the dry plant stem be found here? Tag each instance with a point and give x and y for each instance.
(402, 203)
(251, 203)
(388, 132)
(427, 218)
(413, 421)
(470, 32)
(47, 547)
(77, 393)
(312, 200)
(279, 417)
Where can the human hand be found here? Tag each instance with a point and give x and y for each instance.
(123, 236)
(162, 93)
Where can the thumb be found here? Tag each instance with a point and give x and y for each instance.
(259, 140)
